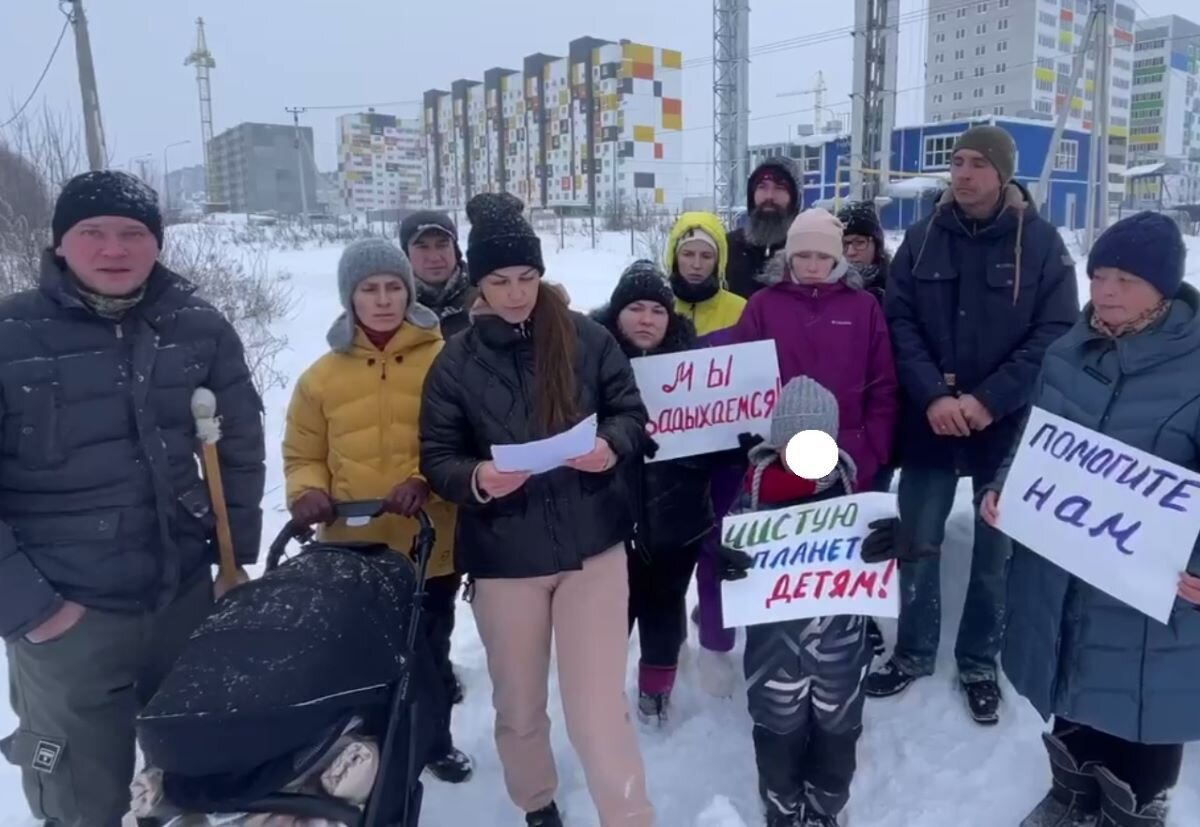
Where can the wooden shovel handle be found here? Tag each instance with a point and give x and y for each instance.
(216, 493)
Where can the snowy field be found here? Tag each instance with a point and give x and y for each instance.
(922, 762)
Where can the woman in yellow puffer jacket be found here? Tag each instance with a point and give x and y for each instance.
(695, 260)
(352, 435)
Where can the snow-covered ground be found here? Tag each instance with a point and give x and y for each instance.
(922, 762)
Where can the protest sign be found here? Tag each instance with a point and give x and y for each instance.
(1112, 515)
(807, 563)
(700, 400)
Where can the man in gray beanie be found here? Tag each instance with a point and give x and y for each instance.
(976, 293)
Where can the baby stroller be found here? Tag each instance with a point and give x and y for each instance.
(322, 651)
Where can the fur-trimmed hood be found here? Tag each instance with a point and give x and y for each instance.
(776, 272)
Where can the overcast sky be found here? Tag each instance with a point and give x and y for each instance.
(276, 53)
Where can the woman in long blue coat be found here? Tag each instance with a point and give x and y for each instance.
(1122, 688)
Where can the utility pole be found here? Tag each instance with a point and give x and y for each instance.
(1100, 113)
(296, 110)
(1098, 166)
(731, 102)
(876, 39)
(1043, 194)
(92, 124)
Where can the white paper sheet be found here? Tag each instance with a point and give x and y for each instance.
(547, 454)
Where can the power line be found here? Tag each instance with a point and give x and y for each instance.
(41, 77)
(334, 107)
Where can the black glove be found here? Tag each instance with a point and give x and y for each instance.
(748, 442)
(732, 563)
(649, 447)
(891, 540)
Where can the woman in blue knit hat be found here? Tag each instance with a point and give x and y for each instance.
(1122, 688)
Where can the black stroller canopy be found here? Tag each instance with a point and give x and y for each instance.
(281, 658)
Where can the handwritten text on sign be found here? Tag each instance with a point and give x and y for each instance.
(700, 400)
(807, 563)
(1112, 515)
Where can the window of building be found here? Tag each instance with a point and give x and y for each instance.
(1047, 41)
(941, 18)
(1003, 4)
(1001, 89)
(940, 37)
(981, 28)
(982, 8)
(1067, 158)
(937, 79)
(938, 98)
(980, 71)
(960, 34)
(962, 12)
(1044, 85)
(938, 150)
(958, 96)
(997, 110)
(1045, 63)
(1048, 19)
(1044, 107)
(1002, 25)
(1001, 68)
(1002, 46)
(940, 57)
(958, 74)
(980, 50)
(979, 92)
(959, 54)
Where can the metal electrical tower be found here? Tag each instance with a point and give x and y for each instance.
(202, 59)
(873, 97)
(93, 126)
(731, 103)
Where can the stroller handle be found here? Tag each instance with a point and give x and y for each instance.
(349, 510)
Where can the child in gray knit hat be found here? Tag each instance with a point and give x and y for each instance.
(804, 677)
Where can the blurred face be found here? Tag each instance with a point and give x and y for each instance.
(644, 323)
(975, 182)
(112, 256)
(860, 249)
(432, 257)
(1119, 297)
(770, 196)
(812, 268)
(696, 261)
(511, 292)
(380, 303)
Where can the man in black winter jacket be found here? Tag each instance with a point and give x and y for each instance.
(773, 200)
(430, 240)
(106, 527)
(976, 293)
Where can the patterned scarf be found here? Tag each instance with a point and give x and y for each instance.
(109, 307)
(1133, 325)
(443, 298)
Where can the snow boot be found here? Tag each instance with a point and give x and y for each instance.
(548, 816)
(718, 673)
(983, 701)
(1074, 797)
(875, 638)
(888, 680)
(454, 767)
(654, 709)
(1119, 806)
(815, 818)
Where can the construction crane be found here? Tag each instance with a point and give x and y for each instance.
(202, 59)
(818, 92)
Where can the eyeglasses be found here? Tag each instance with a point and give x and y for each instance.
(856, 243)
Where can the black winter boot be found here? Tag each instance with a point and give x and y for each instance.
(1074, 797)
(888, 680)
(983, 701)
(454, 767)
(1119, 806)
(548, 816)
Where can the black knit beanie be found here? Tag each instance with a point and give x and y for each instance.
(500, 236)
(641, 281)
(420, 222)
(106, 192)
(860, 218)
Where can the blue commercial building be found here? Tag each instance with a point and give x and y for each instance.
(920, 163)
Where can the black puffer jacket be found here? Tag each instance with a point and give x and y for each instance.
(972, 309)
(746, 260)
(480, 393)
(673, 498)
(100, 498)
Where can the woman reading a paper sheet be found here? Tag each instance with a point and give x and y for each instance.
(545, 553)
(1122, 688)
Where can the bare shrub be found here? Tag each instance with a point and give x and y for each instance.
(238, 281)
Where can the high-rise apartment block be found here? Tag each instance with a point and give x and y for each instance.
(599, 127)
(381, 161)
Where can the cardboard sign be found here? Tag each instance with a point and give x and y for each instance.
(807, 563)
(1116, 517)
(701, 400)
